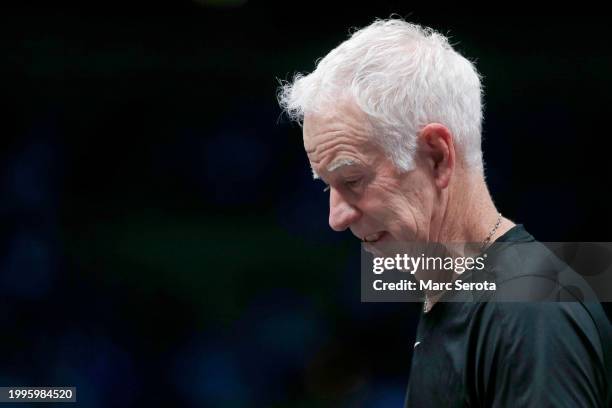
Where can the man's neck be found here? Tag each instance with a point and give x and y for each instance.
(471, 215)
(472, 219)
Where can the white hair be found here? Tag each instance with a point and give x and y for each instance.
(403, 77)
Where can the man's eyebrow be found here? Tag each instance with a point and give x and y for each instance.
(335, 165)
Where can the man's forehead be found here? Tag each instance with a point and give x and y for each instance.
(321, 128)
(343, 116)
(313, 125)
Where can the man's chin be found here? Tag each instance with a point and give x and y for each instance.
(385, 245)
(389, 246)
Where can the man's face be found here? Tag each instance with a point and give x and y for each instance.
(367, 193)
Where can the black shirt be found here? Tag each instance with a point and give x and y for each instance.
(512, 354)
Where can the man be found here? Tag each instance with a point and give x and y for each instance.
(392, 124)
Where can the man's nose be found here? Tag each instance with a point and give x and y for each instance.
(341, 213)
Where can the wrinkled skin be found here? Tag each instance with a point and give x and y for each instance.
(371, 196)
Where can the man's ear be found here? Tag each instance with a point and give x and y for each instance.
(438, 150)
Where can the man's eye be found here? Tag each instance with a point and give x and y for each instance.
(352, 183)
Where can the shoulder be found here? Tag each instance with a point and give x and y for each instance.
(530, 271)
(553, 351)
(548, 316)
(556, 333)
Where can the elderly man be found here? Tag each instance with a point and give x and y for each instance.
(392, 124)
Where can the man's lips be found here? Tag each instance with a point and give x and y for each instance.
(373, 237)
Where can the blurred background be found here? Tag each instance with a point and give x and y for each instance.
(163, 243)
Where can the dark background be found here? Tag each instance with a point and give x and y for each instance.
(162, 241)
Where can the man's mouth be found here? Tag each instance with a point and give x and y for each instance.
(373, 237)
